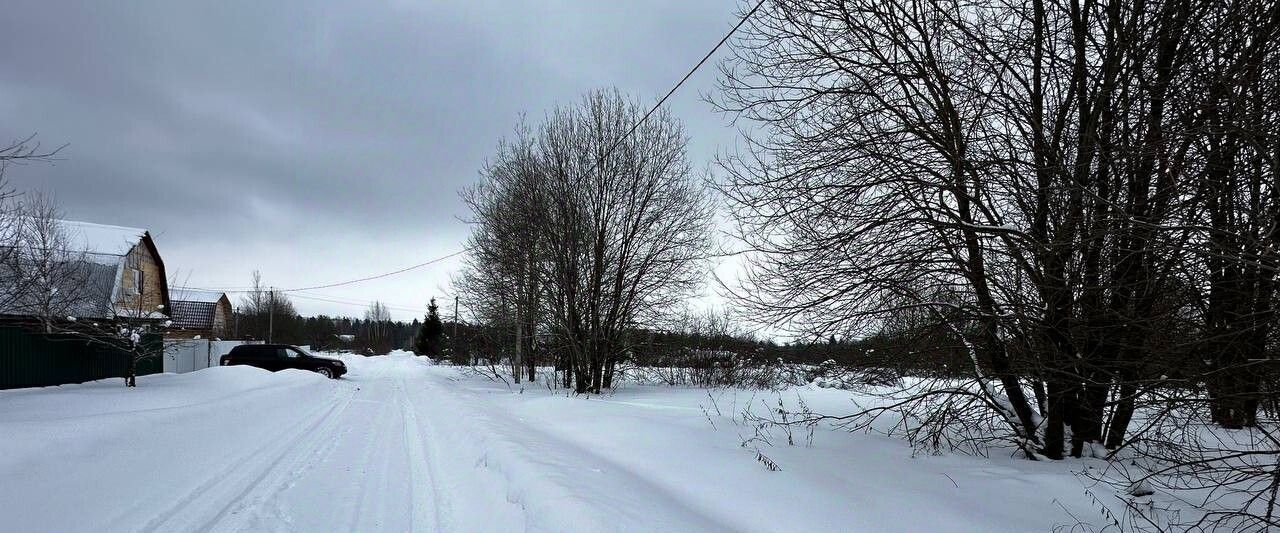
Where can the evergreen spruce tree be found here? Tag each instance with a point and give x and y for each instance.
(420, 344)
(428, 340)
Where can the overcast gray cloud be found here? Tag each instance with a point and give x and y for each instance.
(312, 141)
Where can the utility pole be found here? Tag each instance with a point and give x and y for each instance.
(271, 314)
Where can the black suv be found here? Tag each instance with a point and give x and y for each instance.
(275, 357)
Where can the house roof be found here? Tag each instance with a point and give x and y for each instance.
(80, 286)
(91, 271)
(102, 239)
(194, 308)
(196, 295)
(193, 315)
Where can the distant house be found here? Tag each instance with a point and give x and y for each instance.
(196, 313)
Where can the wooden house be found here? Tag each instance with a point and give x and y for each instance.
(139, 288)
(99, 276)
(98, 271)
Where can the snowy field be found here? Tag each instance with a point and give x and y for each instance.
(401, 445)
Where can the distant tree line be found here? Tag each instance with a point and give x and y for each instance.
(322, 332)
(265, 314)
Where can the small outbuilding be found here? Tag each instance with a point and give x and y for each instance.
(197, 313)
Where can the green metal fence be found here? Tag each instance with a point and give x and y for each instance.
(31, 359)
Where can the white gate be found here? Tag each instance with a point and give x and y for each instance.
(187, 355)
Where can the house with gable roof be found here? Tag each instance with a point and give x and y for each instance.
(100, 276)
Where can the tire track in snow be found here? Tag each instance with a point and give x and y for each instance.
(236, 464)
(285, 469)
(245, 472)
(374, 447)
(355, 512)
(267, 499)
(443, 505)
(421, 470)
(353, 489)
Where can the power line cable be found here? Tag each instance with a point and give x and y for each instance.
(355, 303)
(338, 284)
(341, 299)
(686, 77)
(380, 276)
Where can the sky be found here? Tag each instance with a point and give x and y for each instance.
(319, 142)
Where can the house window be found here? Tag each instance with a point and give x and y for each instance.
(135, 288)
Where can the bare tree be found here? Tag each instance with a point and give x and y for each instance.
(16, 231)
(378, 318)
(1081, 193)
(264, 311)
(507, 247)
(877, 184)
(628, 226)
(586, 226)
(56, 278)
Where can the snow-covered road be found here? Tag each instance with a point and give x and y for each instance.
(365, 458)
(234, 449)
(401, 445)
(360, 461)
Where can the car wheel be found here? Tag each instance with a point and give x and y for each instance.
(323, 371)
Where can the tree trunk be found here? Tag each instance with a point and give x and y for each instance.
(609, 366)
(1042, 400)
(1055, 419)
(1087, 423)
(1122, 414)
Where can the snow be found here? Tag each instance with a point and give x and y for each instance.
(195, 295)
(401, 445)
(101, 238)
